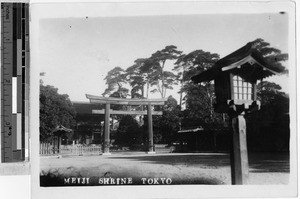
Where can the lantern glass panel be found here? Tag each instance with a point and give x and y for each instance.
(234, 82)
(242, 89)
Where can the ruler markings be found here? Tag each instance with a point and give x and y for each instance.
(6, 130)
(12, 131)
(15, 56)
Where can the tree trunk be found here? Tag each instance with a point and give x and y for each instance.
(159, 88)
(210, 103)
(180, 101)
(163, 93)
(180, 97)
(143, 90)
(147, 94)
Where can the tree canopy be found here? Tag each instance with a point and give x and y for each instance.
(115, 80)
(163, 80)
(150, 74)
(138, 76)
(128, 133)
(167, 125)
(273, 56)
(55, 109)
(268, 128)
(190, 64)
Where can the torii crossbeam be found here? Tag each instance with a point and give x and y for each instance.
(123, 101)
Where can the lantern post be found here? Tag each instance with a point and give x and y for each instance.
(235, 77)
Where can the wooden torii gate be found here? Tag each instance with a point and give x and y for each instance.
(123, 101)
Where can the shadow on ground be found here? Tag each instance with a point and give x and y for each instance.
(205, 160)
(269, 162)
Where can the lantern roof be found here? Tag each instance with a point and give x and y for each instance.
(246, 62)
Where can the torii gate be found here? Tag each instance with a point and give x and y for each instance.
(123, 101)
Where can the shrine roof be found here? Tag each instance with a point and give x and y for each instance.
(60, 129)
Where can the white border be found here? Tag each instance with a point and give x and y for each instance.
(173, 191)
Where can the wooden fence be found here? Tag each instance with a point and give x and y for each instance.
(163, 148)
(47, 149)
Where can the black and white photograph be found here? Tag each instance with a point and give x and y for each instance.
(165, 95)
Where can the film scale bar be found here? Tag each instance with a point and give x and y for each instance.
(14, 81)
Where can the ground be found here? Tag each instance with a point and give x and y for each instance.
(181, 168)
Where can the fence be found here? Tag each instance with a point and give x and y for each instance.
(163, 148)
(47, 149)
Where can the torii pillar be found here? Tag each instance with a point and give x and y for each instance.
(106, 130)
(150, 130)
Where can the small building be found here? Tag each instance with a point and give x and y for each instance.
(198, 139)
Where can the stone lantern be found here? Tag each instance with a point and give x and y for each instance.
(235, 80)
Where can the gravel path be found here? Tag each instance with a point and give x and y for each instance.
(190, 168)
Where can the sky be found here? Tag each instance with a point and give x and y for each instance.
(77, 49)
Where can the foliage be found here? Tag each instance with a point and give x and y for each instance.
(138, 77)
(198, 98)
(268, 128)
(191, 64)
(150, 75)
(163, 80)
(199, 106)
(268, 92)
(194, 62)
(55, 109)
(115, 80)
(128, 133)
(167, 125)
(273, 56)
(149, 72)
